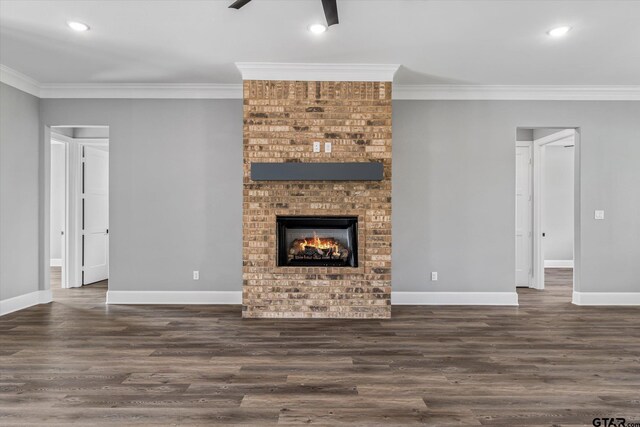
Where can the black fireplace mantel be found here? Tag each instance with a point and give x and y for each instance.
(299, 171)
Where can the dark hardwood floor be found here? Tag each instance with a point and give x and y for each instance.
(544, 363)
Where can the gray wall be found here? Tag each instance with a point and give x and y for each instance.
(19, 183)
(453, 192)
(524, 134)
(175, 189)
(541, 133)
(93, 132)
(557, 203)
(66, 131)
(83, 132)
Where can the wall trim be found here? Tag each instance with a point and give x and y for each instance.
(235, 297)
(400, 92)
(383, 72)
(20, 81)
(21, 302)
(454, 298)
(174, 297)
(317, 72)
(538, 197)
(606, 298)
(142, 91)
(558, 263)
(517, 92)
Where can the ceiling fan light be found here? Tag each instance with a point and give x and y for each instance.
(317, 28)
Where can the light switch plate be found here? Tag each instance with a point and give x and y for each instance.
(316, 147)
(599, 214)
(196, 275)
(327, 147)
(434, 276)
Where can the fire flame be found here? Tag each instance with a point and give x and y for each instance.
(319, 243)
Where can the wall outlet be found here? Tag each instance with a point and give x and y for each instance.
(316, 147)
(196, 275)
(434, 276)
(599, 214)
(327, 147)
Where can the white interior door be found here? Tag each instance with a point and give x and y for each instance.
(95, 215)
(524, 224)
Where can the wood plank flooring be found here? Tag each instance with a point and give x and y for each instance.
(547, 362)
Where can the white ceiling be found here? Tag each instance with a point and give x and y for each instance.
(471, 42)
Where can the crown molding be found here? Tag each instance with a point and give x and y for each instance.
(318, 72)
(400, 92)
(142, 91)
(18, 80)
(517, 92)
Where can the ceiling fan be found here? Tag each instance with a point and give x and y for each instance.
(330, 9)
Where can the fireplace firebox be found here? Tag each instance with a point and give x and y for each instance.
(317, 241)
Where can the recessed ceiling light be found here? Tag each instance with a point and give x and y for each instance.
(78, 26)
(559, 31)
(317, 28)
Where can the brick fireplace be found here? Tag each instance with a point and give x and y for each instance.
(282, 120)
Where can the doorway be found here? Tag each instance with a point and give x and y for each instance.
(79, 206)
(547, 208)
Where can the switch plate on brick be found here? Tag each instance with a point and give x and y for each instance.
(316, 147)
(327, 147)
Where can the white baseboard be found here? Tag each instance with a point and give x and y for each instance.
(235, 297)
(606, 298)
(558, 263)
(55, 262)
(454, 298)
(25, 301)
(174, 297)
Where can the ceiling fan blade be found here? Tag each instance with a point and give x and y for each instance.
(238, 4)
(330, 11)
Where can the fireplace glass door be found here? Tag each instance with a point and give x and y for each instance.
(317, 241)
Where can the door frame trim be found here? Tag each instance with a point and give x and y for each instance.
(44, 211)
(538, 194)
(529, 145)
(65, 262)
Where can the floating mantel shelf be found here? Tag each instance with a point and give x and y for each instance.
(296, 171)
